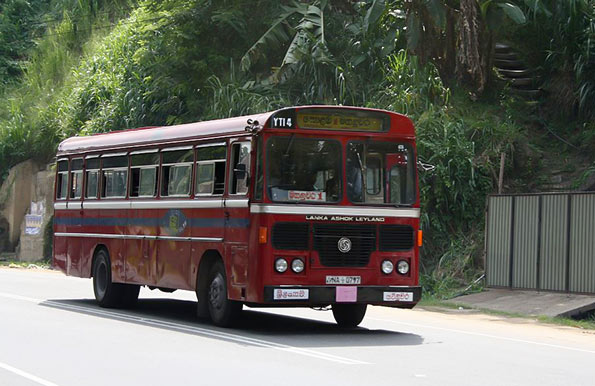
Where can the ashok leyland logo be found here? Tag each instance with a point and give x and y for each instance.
(344, 244)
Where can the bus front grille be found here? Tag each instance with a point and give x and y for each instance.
(362, 240)
(395, 238)
(291, 236)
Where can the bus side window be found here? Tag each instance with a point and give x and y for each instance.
(92, 176)
(241, 166)
(62, 180)
(114, 176)
(76, 178)
(210, 170)
(143, 174)
(176, 172)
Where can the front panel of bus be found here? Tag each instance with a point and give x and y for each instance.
(335, 209)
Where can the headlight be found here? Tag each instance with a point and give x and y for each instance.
(297, 265)
(403, 267)
(281, 265)
(387, 267)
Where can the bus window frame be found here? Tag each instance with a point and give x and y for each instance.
(231, 172)
(86, 177)
(60, 177)
(155, 167)
(209, 162)
(162, 174)
(71, 179)
(103, 181)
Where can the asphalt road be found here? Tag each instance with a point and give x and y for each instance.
(53, 334)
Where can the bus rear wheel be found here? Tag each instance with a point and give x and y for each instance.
(349, 315)
(107, 293)
(222, 310)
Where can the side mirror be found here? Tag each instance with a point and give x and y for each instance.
(424, 167)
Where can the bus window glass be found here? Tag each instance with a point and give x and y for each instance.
(62, 183)
(76, 178)
(389, 169)
(114, 176)
(303, 169)
(210, 170)
(205, 178)
(179, 180)
(241, 166)
(147, 182)
(143, 174)
(176, 172)
(92, 176)
(114, 183)
(373, 175)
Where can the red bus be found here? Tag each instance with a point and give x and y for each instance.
(311, 206)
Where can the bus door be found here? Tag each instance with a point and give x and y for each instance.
(237, 216)
(396, 173)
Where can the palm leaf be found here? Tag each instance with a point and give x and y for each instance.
(274, 37)
(513, 12)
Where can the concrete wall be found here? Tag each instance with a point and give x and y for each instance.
(31, 245)
(26, 183)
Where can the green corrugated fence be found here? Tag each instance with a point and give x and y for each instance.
(541, 242)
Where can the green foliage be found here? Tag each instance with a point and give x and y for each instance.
(410, 88)
(560, 39)
(19, 24)
(116, 64)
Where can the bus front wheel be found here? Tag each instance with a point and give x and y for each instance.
(107, 293)
(222, 310)
(349, 315)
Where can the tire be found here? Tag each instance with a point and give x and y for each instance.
(129, 296)
(223, 312)
(349, 315)
(107, 293)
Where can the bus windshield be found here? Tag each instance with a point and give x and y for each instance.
(304, 169)
(380, 173)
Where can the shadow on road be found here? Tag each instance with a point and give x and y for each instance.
(179, 315)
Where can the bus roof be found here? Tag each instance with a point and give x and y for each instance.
(207, 129)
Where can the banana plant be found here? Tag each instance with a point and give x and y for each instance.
(305, 35)
(457, 35)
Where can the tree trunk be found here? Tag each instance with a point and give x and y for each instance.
(473, 54)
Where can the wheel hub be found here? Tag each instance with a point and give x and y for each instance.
(216, 293)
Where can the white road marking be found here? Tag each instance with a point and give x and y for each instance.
(25, 374)
(486, 335)
(192, 329)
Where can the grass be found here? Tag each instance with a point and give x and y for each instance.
(25, 264)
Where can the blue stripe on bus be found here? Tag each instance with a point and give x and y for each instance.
(150, 222)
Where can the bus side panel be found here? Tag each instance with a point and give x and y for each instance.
(205, 223)
(60, 243)
(256, 261)
(87, 250)
(173, 255)
(140, 256)
(73, 256)
(237, 227)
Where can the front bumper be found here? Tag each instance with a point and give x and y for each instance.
(312, 296)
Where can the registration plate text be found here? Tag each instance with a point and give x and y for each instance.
(343, 280)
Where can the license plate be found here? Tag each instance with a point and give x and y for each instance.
(398, 296)
(343, 280)
(290, 294)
